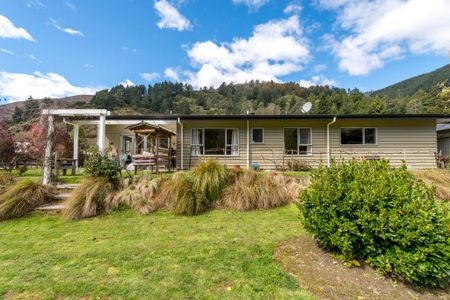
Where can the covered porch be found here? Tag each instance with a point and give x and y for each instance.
(129, 139)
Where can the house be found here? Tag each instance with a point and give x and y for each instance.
(271, 141)
(443, 139)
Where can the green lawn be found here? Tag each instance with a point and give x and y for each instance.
(220, 254)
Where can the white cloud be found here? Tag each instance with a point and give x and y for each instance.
(150, 76)
(35, 59)
(275, 49)
(88, 66)
(7, 51)
(130, 50)
(253, 5)
(66, 30)
(9, 31)
(34, 4)
(171, 17)
(317, 80)
(18, 86)
(127, 82)
(378, 31)
(319, 68)
(172, 74)
(293, 9)
(71, 6)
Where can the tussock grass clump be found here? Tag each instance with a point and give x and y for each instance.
(140, 195)
(209, 178)
(188, 200)
(94, 196)
(255, 190)
(22, 198)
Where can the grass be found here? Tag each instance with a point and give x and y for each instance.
(297, 173)
(35, 174)
(219, 254)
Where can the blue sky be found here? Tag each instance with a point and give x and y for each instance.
(57, 47)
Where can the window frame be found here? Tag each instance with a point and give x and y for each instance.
(363, 137)
(226, 144)
(251, 136)
(310, 153)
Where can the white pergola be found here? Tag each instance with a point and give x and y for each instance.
(51, 113)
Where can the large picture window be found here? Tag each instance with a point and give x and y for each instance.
(215, 141)
(297, 141)
(358, 136)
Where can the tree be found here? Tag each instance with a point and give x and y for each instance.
(17, 115)
(7, 143)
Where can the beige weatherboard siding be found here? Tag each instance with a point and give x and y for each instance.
(411, 140)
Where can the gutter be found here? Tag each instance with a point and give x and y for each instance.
(248, 144)
(328, 141)
(182, 143)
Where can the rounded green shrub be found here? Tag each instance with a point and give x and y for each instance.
(209, 178)
(368, 210)
(100, 165)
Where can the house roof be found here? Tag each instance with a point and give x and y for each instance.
(442, 127)
(444, 118)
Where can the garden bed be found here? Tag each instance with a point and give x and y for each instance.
(327, 278)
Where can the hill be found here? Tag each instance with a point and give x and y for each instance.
(7, 110)
(409, 86)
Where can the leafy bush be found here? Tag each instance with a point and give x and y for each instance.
(298, 165)
(100, 165)
(94, 196)
(22, 198)
(370, 211)
(254, 190)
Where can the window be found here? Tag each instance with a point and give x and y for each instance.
(257, 136)
(297, 141)
(214, 141)
(358, 136)
(164, 143)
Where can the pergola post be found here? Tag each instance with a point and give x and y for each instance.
(76, 133)
(48, 151)
(101, 133)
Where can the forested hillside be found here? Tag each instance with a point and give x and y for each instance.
(422, 82)
(254, 96)
(265, 98)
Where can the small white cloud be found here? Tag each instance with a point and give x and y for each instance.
(129, 50)
(34, 4)
(9, 31)
(18, 86)
(73, 32)
(35, 59)
(172, 74)
(88, 66)
(253, 5)
(319, 68)
(293, 9)
(3, 50)
(127, 82)
(71, 6)
(70, 31)
(150, 76)
(317, 80)
(171, 17)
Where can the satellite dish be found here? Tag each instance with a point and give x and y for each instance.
(306, 107)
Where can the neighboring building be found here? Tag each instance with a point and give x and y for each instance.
(273, 140)
(443, 139)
